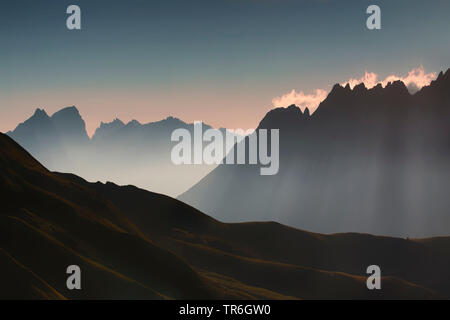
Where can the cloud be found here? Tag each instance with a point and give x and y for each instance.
(370, 80)
(301, 99)
(414, 81)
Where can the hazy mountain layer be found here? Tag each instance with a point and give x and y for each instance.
(132, 153)
(367, 160)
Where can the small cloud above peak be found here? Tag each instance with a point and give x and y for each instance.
(300, 99)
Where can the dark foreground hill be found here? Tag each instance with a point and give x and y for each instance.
(131, 243)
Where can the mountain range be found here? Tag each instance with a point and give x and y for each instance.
(135, 244)
(131, 153)
(372, 160)
(368, 160)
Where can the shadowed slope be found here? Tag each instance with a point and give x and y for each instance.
(48, 222)
(19, 282)
(264, 254)
(131, 243)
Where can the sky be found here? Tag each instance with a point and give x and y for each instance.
(224, 62)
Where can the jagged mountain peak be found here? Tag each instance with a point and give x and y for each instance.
(174, 120)
(69, 122)
(40, 113)
(337, 90)
(397, 85)
(40, 128)
(107, 128)
(170, 118)
(306, 112)
(360, 88)
(115, 123)
(441, 79)
(344, 101)
(437, 89)
(133, 123)
(67, 111)
(169, 121)
(39, 119)
(288, 117)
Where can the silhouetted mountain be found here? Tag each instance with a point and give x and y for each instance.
(53, 140)
(367, 160)
(124, 153)
(283, 117)
(70, 126)
(131, 243)
(107, 129)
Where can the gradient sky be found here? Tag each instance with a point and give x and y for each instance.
(222, 62)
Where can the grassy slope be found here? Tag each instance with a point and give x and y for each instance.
(48, 222)
(247, 251)
(131, 243)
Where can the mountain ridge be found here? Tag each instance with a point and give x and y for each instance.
(61, 143)
(368, 160)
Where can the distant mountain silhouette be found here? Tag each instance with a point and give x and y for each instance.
(124, 153)
(131, 243)
(367, 160)
(107, 129)
(49, 138)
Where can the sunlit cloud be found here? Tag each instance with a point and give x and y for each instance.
(370, 80)
(301, 99)
(414, 81)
